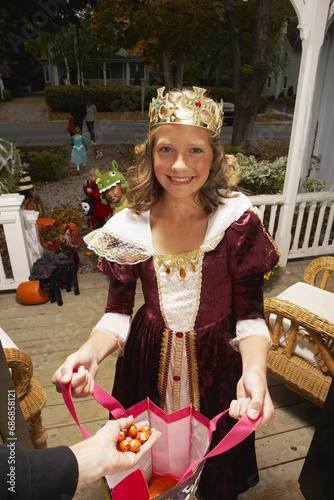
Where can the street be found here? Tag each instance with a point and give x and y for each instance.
(54, 133)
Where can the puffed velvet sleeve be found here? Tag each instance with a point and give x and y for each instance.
(122, 286)
(251, 254)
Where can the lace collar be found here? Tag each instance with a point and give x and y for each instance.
(127, 238)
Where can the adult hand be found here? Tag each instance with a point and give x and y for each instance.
(80, 368)
(253, 397)
(99, 455)
(89, 190)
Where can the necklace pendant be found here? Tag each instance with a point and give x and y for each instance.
(167, 270)
(182, 272)
(193, 267)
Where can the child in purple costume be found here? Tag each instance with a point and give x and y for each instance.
(200, 252)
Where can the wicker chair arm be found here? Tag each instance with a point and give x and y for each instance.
(22, 370)
(298, 314)
(320, 329)
(325, 264)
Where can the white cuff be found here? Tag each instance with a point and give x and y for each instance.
(118, 325)
(248, 327)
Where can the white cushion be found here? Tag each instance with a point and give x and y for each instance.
(6, 341)
(315, 300)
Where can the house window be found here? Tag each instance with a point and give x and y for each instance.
(47, 74)
(117, 71)
(285, 83)
(107, 73)
(136, 69)
(269, 82)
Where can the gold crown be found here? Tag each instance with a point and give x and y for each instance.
(189, 107)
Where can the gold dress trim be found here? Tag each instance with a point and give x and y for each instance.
(165, 354)
(190, 342)
(177, 372)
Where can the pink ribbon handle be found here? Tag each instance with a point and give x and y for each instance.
(241, 430)
(102, 396)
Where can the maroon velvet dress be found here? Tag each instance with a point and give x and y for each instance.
(230, 289)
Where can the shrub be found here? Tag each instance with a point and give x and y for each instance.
(263, 104)
(66, 215)
(46, 166)
(232, 150)
(314, 186)
(218, 93)
(114, 98)
(261, 177)
(10, 166)
(7, 95)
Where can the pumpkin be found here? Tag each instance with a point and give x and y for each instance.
(74, 229)
(29, 292)
(45, 222)
(161, 485)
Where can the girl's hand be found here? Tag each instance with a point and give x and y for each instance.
(253, 397)
(80, 368)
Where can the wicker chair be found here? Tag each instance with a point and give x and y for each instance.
(30, 393)
(291, 326)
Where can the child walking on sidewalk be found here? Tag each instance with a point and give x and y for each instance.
(78, 155)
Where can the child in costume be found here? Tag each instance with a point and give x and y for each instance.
(101, 210)
(78, 155)
(113, 187)
(25, 185)
(70, 126)
(201, 252)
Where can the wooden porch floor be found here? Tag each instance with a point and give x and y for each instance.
(49, 333)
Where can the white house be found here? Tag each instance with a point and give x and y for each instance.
(118, 69)
(292, 51)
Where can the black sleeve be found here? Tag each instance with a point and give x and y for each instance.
(50, 474)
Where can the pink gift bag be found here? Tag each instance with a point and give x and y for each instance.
(180, 451)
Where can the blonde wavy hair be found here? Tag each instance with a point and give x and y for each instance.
(145, 190)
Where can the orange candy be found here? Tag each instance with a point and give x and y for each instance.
(131, 439)
(124, 446)
(134, 445)
(142, 437)
(121, 436)
(132, 431)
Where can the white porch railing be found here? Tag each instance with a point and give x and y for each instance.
(19, 241)
(312, 231)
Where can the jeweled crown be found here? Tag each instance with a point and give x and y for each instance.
(189, 107)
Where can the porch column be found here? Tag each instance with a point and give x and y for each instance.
(312, 17)
(104, 73)
(127, 73)
(20, 254)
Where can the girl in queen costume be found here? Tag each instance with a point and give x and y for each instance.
(200, 252)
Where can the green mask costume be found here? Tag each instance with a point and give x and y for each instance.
(109, 179)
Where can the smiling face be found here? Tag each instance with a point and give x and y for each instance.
(182, 157)
(115, 194)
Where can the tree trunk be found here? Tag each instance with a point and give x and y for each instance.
(247, 96)
(180, 69)
(167, 66)
(68, 75)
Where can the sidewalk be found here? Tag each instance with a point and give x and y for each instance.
(27, 109)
